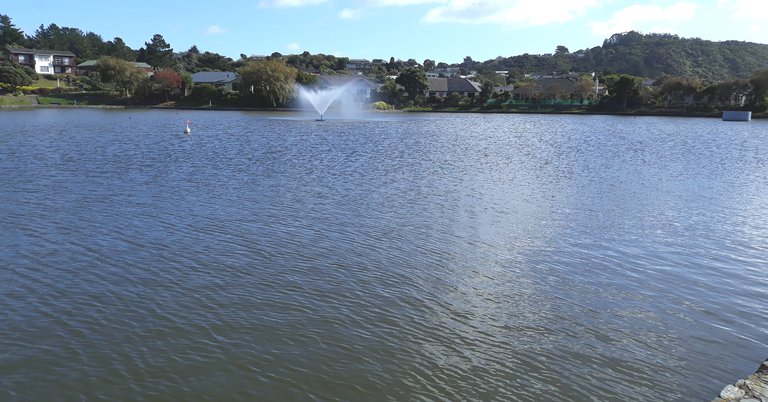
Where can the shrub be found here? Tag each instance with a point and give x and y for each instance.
(381, 105)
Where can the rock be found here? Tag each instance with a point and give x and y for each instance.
(731, 392)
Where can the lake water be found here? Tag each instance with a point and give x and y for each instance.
(390, 257)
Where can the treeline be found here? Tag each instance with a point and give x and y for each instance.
(687, 71)
(649, 55)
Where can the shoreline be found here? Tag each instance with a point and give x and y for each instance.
(626, 113)
(752, 388)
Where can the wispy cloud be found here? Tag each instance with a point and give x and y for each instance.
(745, 9)
(645, 17)
(508, 12)
(215, 30)
(350, 14)
(388, 3)
(293, 46)
(290, 3)
(504, 12)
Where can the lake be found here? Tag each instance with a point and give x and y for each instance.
(391, 256)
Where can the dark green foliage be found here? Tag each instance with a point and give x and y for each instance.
(269, 83)
(120, 74)
(158, 53)
(306, 79)
(414, 81)
(318, 63)
(9, 34)
(649, 55)
(204, 92)
(14, 77)
(118, 48)
(193, 61)
(759, 83)
(625, 89)
(85, 45)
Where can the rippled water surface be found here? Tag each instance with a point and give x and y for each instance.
(389, 257)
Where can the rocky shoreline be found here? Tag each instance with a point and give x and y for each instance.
(754, 388)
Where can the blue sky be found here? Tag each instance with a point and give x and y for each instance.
(441, 30)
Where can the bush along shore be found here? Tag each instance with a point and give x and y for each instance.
(754, 388)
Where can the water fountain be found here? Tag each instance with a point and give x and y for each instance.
(321, 99)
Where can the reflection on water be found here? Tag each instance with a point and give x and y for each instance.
(385, 257)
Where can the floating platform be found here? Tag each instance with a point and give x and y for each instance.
(735, 115)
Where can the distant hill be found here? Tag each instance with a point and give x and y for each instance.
(650, 55)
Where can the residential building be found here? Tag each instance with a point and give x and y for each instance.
(90, 65)
(361, 65)
(218, 79)
(361, 88)
(43, 61)
(442, 87)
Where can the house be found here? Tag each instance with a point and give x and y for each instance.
(442, 87)
(43, 61)
(361, 65)
(90, 65)
(362, 89)
(547, 88)
(218, 79)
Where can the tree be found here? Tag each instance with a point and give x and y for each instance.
(530, 90)
(561, 50)
(429, 65)
(213, 62)
(118, 48)
(759, 83)
(9, 34)
(468, 63)
(167, 81)
(158, 53)
(485, 93)
(14, 77)
(119, 73)
(585, 87)
(414, 81)
(268, 82)
(626, 88)
(675, 90)
(391, 93)
(306, 79)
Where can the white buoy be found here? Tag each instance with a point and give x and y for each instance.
(187, 130)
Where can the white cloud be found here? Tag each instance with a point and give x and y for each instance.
(751, 10)
(645, 17)
(350, 14)
(293, 46)
(388, 3)
(508, 12)
(290, 3)
(215, 30)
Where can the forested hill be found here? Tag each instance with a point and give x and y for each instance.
(650, 55)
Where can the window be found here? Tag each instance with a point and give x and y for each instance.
(22, 58)
(44, 69)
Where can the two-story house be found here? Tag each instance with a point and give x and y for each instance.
(43, 61)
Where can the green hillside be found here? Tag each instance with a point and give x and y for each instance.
(650, 55)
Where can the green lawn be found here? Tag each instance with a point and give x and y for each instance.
(9, 100)
(46, 83)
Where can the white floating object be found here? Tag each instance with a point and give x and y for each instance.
(187, 130)
(736, 115)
